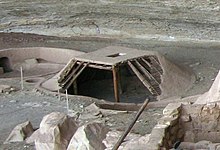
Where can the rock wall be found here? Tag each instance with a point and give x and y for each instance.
(186, 124)
(201, 122)
(168, 131)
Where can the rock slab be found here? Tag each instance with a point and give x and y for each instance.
(55, 132)
(20, 132)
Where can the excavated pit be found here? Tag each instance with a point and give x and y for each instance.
(99, 84)
(125, 75)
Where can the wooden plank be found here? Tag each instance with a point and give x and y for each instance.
(146, 73)
(121, 139)
(100, 67)
(71, 74)
(158, 64)
(135, 106)
(151, 66)
(66, 70)
(142, 79)
(116, 83)
(75, 76)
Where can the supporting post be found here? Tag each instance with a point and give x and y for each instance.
(22, 79)
(58, 92)
(67, 101)
(75, 89)
(116, 83)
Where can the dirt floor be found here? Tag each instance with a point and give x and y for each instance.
(185, 32)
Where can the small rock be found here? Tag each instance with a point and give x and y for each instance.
(196, 64)
(172, 109)
(46, 103)
(13, 101)
(20, 132)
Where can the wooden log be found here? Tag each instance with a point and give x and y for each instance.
(74, 77)
(157, 67)
(142, 79)
(116, 83)
(66, 70)
(146, 73)
(100, 67)
(121, 139)
(71, 74)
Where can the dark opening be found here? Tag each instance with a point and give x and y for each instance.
(5, 64)
(99, 84)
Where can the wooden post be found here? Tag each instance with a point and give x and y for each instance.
(22, 79)
(67, 101)
(121, 139)
(58, 92)
(75, 89)
(116, 83)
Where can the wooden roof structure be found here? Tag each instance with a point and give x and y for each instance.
(144, 64)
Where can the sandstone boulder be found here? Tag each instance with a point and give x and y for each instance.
(55, 132)
(89, 137)
(20, 132)
(213, 95)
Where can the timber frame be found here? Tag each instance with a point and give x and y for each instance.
(144, 64)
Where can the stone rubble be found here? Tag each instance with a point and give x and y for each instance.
(192, 126)
(6, 88)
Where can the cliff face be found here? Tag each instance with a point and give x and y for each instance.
(163, 20)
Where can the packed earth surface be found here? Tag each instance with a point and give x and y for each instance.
(185, 32)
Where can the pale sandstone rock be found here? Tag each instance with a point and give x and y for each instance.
(172, 109)
(89, 137)
(213, 95)
(168, 120)
(55, 132)
(20, 132)
(137, 143)
(113, 136)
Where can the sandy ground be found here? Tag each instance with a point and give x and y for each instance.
(30, 105)
(186, 32)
